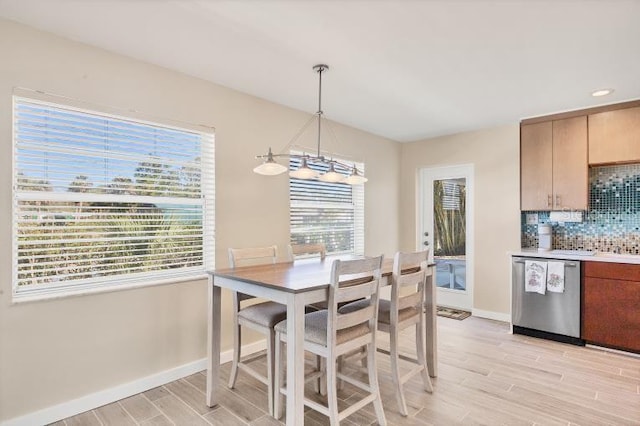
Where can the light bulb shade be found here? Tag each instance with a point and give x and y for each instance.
(332, 176)
(303, 172)
(270, 168)
(355, 180)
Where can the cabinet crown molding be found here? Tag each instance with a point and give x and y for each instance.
(580, 112)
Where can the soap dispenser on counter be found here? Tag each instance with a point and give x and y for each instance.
(544, 236)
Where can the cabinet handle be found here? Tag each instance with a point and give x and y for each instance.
(558, 199)
(566, 265)
(549, 200)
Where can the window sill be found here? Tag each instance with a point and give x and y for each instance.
(48, 294)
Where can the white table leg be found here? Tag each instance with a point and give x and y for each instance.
(213, 343)
(431, 328)
(295, 359)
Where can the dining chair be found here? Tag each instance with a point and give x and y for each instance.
(307, 250)
(261, 317)
(404, 309)
(330, 334)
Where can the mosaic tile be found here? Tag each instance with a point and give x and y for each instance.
(612, 222)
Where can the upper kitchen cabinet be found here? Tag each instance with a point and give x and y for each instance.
(536, 171)
(553, 165)
(614, 136)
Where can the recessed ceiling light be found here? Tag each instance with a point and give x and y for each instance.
(602, 92)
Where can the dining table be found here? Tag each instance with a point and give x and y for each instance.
(296, 285)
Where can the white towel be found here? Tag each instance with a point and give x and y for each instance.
(555, 277)
(535, 276)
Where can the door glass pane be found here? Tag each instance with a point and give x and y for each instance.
(449, 236)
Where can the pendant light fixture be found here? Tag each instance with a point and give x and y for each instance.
(336, 171)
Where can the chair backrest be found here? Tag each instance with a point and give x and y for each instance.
(312, 250)
(246, 257)
(252, 256)
(408, 281)
(353, 280)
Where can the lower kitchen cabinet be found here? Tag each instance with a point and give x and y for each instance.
(611, 305)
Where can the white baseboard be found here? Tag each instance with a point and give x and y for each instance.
(107, 396)
(498, 316)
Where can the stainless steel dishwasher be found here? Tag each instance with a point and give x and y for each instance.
(553, 316)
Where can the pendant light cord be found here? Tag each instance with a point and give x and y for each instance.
(319, 113)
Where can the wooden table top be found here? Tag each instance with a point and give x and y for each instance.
(301, 275)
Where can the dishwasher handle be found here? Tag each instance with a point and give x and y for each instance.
(566, 264)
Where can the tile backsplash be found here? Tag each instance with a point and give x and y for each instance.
(612, 222)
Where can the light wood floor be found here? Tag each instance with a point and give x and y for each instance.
(486, 376)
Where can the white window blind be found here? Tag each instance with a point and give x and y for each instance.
(329, 213)
(103, 201)
(450, 195)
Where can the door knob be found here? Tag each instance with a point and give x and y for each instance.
(426, 234)
(426, 243)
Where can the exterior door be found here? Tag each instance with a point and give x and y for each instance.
(447, 230)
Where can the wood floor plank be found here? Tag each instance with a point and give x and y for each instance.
(156, 393)
(234, 402)
(87, 418)
(496, 402)
(114, 415)
(139, 407)
(178, 412)
(160, 420)
(266, 420)
(199, 381)
(223, 417)
(566, 410)
(189, 395)
(257, 395)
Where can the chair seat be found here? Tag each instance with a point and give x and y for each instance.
(266, 314)
(384, 310)
(316, 329)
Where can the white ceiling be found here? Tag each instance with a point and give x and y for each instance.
(403, 69)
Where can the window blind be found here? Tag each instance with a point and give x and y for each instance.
(101, 200)
(450, 195)
(329, 213)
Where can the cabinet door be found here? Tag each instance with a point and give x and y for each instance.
(536, 156)
(610, 314)
(614, 136)
(570, 167)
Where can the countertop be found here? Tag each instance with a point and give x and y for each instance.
(597, 257)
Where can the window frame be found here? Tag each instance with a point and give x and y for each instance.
(127, 280)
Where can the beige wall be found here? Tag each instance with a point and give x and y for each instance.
(495, 155)
(54, 351)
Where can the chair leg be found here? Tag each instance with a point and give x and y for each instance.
(373, 383)
(318, 382)
(395, 370)
(363, 353)
(332, 391)
(339, 382)
(236, 354)
(321, 384)
(422, 359)
(270, 369)
(278, 378)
